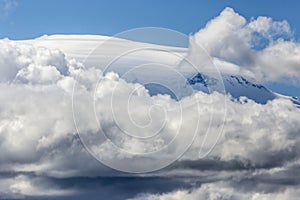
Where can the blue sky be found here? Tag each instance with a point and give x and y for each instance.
(33, 18)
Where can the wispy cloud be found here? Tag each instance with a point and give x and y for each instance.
(7, 7)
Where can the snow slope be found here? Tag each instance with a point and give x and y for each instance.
(236, 86)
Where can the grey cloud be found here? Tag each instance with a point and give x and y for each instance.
(42, 156)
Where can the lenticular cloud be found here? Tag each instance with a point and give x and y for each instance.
(259, 143)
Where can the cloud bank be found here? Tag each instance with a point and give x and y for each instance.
(257, 156)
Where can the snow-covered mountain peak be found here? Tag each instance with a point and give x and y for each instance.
(236, 86)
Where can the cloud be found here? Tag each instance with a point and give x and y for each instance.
(261, 46)
(21, 62)
(41, 152)
(218, 191)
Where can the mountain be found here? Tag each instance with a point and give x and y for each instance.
(105, 48)
(236, 86)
